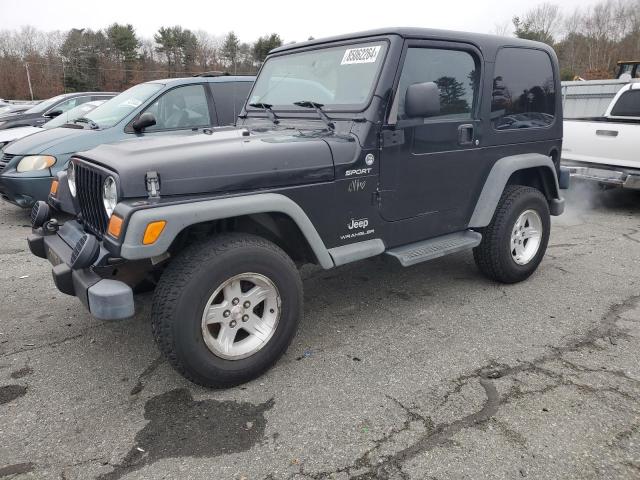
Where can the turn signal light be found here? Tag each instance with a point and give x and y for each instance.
(153, 231)
(54, 187)
(115, 226)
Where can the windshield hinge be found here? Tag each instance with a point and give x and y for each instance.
(390, 138)
(152, 180)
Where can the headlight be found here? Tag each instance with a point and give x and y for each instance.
(71, 179)
(36, 162)
(109, 195)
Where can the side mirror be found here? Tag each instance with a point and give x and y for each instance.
(144, 121)
(422, 100)
(53, 113)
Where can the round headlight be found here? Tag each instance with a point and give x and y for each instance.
(71, 178)
(109, 195)
(35, 162)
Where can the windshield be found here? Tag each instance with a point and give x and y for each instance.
(339, 78)
(45, 104)
(73, 114)
(115, 110)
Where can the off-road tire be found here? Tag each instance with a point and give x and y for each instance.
(493, 255)
(187, 284)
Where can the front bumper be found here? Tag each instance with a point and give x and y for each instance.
(106, 299)
(24, 191)
(609, 175)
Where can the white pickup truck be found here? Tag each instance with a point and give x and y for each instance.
(607, 149)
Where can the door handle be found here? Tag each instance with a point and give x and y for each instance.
(465, 134)
(607, 133)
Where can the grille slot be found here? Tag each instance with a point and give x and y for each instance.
(78, 248)
(4, 161)
(89, 191)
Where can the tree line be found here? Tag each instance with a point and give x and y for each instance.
(589, 41)
(115, 58)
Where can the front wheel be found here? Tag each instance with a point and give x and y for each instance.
(515, 241)
(225, 310)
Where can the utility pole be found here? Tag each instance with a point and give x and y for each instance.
(26, 65)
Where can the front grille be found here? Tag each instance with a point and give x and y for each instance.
(4, 161)
(89, 191)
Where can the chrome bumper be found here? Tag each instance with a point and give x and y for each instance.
(607, 176)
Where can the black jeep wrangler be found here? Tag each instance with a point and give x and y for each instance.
(409, 143)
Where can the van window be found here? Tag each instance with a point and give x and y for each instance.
(453, 71)
(229, 98)
(628, 105)
(180, 108)
(523, 89)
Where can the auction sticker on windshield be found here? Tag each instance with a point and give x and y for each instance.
(360, 55)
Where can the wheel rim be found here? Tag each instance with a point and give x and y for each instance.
(526, 237)
(241, 316)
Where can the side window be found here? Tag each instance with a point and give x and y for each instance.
(453, 71)
(628, 105)
(181, 107)
(523, 90)
(69, 104)
(229, 98)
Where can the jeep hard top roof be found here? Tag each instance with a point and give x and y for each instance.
(486, 43)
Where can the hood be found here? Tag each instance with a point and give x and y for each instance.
(15, 133)
(228, 159)
(54, 141)
(13, 116)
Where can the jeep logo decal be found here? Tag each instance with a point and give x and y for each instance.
(358, 224)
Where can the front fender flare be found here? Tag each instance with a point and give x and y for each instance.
(180, 216)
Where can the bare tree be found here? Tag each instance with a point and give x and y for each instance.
(540, 23)
(208, 50)
(503, 29)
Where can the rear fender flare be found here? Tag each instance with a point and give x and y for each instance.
(497, 181)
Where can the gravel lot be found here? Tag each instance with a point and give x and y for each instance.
(427, 372)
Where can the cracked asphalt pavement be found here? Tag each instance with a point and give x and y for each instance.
(430, 372)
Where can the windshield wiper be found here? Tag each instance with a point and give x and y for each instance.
(318, 108)
(91, 123)
(267, 108)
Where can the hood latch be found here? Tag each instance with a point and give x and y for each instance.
(153, 184)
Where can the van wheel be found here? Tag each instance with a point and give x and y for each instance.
(225, 310)
(515, 241)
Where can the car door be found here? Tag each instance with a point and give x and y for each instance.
(429, 165)
(181, 109)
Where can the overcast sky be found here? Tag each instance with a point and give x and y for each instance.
(293, 20)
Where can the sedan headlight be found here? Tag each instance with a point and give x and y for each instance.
(109, 195)
(71, 179)
(31, 163)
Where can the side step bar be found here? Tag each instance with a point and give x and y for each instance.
(437, 247)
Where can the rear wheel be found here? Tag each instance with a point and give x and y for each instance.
(225, 310)
(515, 241)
